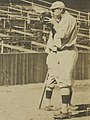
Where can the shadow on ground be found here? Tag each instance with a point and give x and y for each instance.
(83, 111)
(83, 107)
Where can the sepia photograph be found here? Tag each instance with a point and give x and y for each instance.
(44, 59)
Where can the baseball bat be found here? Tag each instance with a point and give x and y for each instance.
(43, 92)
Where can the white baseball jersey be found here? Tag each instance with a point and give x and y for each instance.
(61, 63)
(66, 32)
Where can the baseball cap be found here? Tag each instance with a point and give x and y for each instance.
(57, 4)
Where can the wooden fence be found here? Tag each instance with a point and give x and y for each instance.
(24, 68)
(82, 68)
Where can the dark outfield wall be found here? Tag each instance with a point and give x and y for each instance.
(31, 68)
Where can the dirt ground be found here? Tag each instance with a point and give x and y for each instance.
(21, 102)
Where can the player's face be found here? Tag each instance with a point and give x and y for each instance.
(56, 12)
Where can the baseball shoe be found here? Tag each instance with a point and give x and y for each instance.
(73, 107)
(51, 108)
(61, 116)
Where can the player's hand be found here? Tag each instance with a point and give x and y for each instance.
(46, 19)
(47, 50)
(50, 20)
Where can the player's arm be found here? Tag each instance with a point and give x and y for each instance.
(50, 44)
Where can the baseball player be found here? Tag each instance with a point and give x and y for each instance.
(62, 55)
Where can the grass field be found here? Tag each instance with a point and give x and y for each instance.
(21, 102)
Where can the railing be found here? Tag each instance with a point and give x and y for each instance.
(15, 13)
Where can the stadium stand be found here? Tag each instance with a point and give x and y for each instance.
(23, 30)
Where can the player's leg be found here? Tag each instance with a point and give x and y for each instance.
(50, 84)
(65, 97)
(49, 91)
(67, 60)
